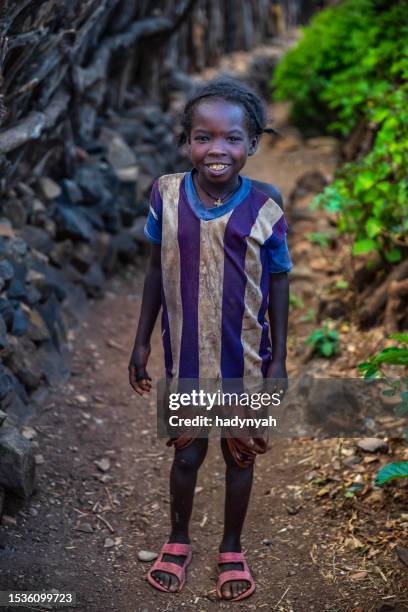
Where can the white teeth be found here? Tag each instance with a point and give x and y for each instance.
(217, 166)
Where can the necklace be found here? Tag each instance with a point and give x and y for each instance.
(218, 201)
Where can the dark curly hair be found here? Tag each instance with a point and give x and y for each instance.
(233, 91)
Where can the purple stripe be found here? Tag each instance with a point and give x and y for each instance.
(280, 228)
(156, 201)
(188, 234)
(265, 344)
(168, 357)
(238, 228)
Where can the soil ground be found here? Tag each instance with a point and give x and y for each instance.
(308, 548)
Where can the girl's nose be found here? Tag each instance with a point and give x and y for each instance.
(217, 147)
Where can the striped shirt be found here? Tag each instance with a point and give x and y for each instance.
(215, 277)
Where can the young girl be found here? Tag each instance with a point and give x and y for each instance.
(219, 262)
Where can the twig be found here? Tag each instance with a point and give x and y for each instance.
(109, 526)
(282, 597)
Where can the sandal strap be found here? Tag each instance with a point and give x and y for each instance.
(231, 557)
(232, 575)
(168, 568)
(176, 549)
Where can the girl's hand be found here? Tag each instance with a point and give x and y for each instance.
(277, 370)
(139, 379)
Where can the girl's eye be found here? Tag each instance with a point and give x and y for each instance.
(201, 138)
(233, 139)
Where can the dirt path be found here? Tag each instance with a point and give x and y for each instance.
(85, 523)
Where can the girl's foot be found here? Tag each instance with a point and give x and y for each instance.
(241, 584)
(167, 577)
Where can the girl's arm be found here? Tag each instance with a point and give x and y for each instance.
(278, 318)
(151, 303)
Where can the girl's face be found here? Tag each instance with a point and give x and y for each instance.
(219, 142)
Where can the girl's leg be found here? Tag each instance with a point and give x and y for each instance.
(238, 483)
(183, 478)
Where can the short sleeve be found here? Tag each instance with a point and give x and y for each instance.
(276, 246)
(153, 227)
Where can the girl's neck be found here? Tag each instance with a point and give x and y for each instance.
(217, 191)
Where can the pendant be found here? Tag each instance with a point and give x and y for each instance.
(217, 202)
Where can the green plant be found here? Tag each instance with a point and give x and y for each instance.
(374, 368)
(325, 341)
(350, 69)
(295, 301)
(320, 238)
(309, 316)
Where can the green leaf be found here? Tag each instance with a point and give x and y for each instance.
(327, 349)
(373, 227)
(341, 284)
(391, 471)
(389, 392)
(366, 245)
(393, 255)
(399, 337)
(401, 409)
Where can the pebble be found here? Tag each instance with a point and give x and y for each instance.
(146, 555)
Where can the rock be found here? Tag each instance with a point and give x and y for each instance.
(16, 211)
(146, 555)
(2, 500)
(28, 432)
(311, 182)
(6, 229)
(16, 247)
(17, 291)
(7, 312)
(71, 223)
(71, 191)
(128, 175)
(37, 238)
(20, 323)
(119, 154)
(372, 445)
(91, 182)
(327, 144)
(37, 330)
(82, 258)
(17, 466)
(54, 363)
(103, 464)
(94, 280)
(126, 247)
(24, 363)
(84, 527)
(109, 543)
(288, 143)
(6, 270)
(49, 189)
(18, 412)
(137, 230)
(6, 382)
(39, 459)
(3, 334)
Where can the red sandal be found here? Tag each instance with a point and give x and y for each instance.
(171, 568)
(229, 575)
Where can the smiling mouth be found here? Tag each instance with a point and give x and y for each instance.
(217, 166)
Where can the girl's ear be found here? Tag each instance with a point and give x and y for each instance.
(253, 145)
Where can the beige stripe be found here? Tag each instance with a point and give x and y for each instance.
(210, 295)
(251, 334)
(169, 187)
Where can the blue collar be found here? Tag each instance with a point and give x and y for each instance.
(213, 213)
